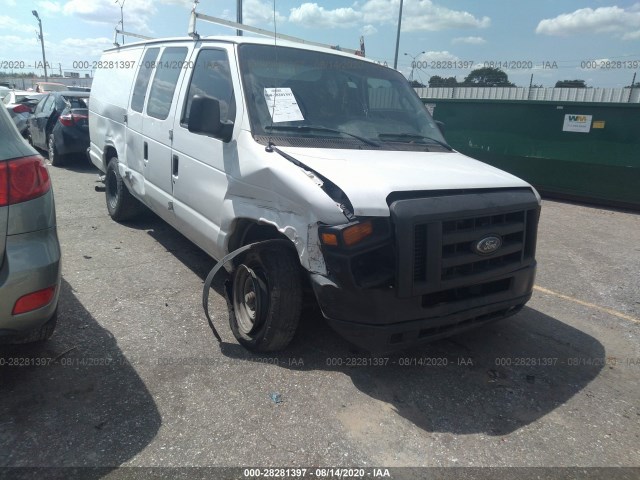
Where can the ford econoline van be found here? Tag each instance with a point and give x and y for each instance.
(237, 140)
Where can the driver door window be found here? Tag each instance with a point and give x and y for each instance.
(212, 78)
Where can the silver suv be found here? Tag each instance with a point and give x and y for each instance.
(29, 249)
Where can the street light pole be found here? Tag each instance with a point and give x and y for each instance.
(41, 37)
(395, 59)
(121, 17)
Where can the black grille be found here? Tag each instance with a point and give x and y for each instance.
(460, 236)
(420, 252)
(437, 239)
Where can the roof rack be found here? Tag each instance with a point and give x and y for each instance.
(259, 31)
(239, 26)
(128, 34)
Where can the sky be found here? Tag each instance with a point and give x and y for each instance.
(595, 40)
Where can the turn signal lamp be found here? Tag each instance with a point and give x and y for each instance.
(330, 239)
(357, 233)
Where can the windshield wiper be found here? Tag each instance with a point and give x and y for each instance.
(308, 128)
(412, 136)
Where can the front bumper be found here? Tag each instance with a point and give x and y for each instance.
(379, 321)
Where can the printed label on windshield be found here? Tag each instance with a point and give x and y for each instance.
(285, 107)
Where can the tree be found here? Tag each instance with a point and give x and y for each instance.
(571, 84)
(487, 77)
(438, 81)
(416, 84)
(635, 85)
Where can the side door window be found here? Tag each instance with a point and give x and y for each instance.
(48, 105)
(41, 104)
(39, 120)
(142, 80)
(51, 105)
(212, 78)
(164, 82)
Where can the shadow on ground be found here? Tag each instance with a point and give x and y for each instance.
(84, 405)
(493, 380)
(77, 162)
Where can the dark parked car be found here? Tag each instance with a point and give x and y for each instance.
(60, 125)
(29, 248)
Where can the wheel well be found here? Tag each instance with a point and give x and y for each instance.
(248, 231)
(109, 153)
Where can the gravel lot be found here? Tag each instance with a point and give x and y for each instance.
(136, 378)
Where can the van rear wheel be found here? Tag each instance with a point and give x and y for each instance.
(265, 300)
(120, 203)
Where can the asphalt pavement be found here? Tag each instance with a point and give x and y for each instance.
(134, 377)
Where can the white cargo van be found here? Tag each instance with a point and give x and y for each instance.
(235, 140)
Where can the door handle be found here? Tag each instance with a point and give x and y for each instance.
(174, 167)
(146, 151)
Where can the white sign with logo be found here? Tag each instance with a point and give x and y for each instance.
(577, 123)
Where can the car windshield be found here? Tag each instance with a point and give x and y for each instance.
(314, 95)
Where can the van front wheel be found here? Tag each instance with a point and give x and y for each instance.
(120, 203)
(265, 300)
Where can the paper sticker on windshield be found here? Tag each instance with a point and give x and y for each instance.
(285, 107)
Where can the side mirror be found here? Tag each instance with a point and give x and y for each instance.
(440, 126)
(204, 117)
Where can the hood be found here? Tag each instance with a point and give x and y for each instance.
(369, 176)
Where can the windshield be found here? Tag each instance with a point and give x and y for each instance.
(348, 99)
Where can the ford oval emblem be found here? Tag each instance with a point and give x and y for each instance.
(488, 245)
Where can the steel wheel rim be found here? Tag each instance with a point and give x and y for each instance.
(249, 299)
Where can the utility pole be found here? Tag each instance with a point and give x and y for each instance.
(121, 17)
(44, 59)
(413, 63)
(395, 59)
(239, 16)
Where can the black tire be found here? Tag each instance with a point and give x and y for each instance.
(54, 155)
(265, 299)
(39, 334)
(121, 205)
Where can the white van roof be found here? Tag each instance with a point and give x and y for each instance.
(242, 40)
